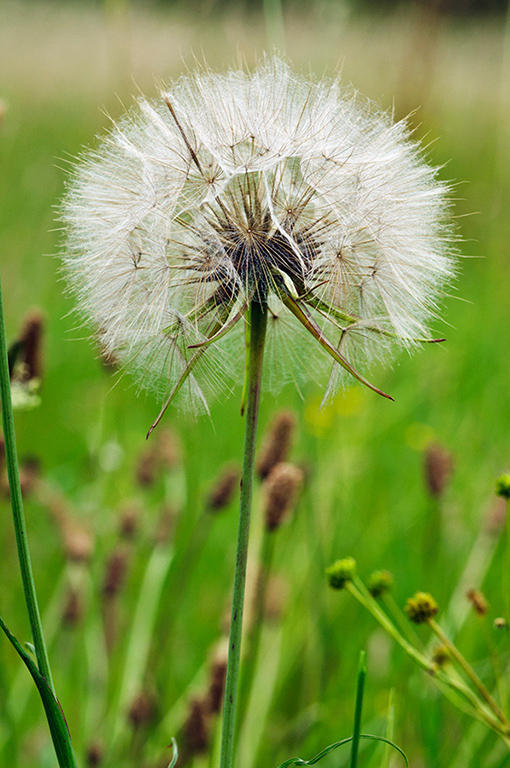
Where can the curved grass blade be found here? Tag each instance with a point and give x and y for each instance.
(175, 753)
(327, 750)
(299, 311)
(56, 720)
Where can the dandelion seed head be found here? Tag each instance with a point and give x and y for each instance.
(267, 186)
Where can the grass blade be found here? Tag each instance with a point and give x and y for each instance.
(56, 720)
(356, 731)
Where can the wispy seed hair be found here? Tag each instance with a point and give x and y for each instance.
(269, 184)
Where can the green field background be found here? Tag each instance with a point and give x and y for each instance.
(64, 70)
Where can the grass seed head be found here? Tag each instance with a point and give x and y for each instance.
(281, 490)
(217, 677)
(478, 601)
(73, 610)
(267, 186)
(277, 444)
(196, 728)
(31, 341)
(438, 467)
(142, 710)
(129, 522)
(115, 573)
(95, 755)
(224, 489)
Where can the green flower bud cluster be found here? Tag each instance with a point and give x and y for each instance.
(503, 486)
(341, 572)
(421, 608)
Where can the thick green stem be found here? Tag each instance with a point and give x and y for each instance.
(258, 322)
(17, 509)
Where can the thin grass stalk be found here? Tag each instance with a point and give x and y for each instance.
(469, 672)
(141, 634)
(257, 330)
(390, 729)
(358, 709)
(63, 747)
(359, 591)
(20, 528)
(506, 563)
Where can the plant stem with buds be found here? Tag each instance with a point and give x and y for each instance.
(257, 333)
(469, 671)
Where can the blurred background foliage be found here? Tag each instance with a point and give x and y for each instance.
(65, 68)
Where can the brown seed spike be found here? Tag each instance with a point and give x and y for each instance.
(31, 342)
(77, 541)
(478, 601)
(224, 488)
(95, 754)
(146, 468)
(115, 573)
(29, 475)
(73, 608)
(282, 488)
(196, 728)
(278, 442)
(438, 467)
(217, 685)
(142, 710)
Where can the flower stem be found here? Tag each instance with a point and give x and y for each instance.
(258, 323)
(360, 592)
(17, 509)
(469, 671)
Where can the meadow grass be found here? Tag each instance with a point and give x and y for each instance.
(365, 495)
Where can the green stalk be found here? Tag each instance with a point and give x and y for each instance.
(58, 728)
(506, 563)
(359, 591)
(258, 322)
(356, 731)
(17, 509)
(469, 671)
